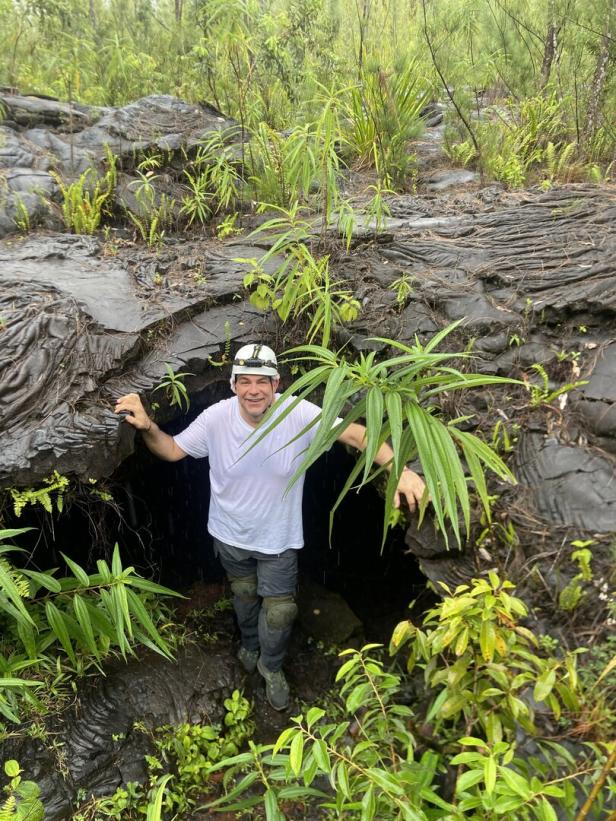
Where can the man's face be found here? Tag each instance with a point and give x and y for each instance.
(255, 395)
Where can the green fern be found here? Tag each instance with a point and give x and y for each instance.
(56, 484)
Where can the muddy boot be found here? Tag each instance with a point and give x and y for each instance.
(248, 659)
(276, 687)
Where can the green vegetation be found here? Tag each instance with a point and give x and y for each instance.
(368, 754)
(175, 389)
(55, 627)
(398, 401)
(301, 287)
(185, 755)
(55, 484)
(22, 802)
(85, 200)
(530, 85)
(474, 717)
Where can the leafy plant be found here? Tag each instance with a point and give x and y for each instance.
(384, 115)
(228, 227)
(462, 153)
(377, 208)
(370, 754)
(543, 394)
(214, 184)
(175, 389)
(22, 215)
(558, 161)
(56, 484)
(346, 218)
(481, 663)
(301, 284)
(186, 754)
(516, 140)
(364, 760)
(402, 288)
(573, 592)
(84, 201)
(51, 625)
(22, 802)
(397, 398)
(155, 212)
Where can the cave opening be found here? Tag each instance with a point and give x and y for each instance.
(159, 520)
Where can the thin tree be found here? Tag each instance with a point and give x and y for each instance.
(600, 76)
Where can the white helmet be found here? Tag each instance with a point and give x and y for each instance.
(255, 359)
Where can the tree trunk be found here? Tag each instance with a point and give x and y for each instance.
(549, 52)
(597, 87)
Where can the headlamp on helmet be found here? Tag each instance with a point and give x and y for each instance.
(255, 359)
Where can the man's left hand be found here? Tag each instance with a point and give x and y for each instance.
(412, 487)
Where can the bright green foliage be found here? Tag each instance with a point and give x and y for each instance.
(377, 209)
(383, 111)
(397, 398)
(155, 212)
(306, 166)
(213, 179)
(186, 754)
(519, 138)
(359, 757)
(56, 484)
(262, 61)
(481, 663)
(52, 626)
(22, 215)
(175, 389)
(22, 802)
(366, 757)
(403, 288)
(301, 286)
(85, 201)
(543, 394)
(572, 594)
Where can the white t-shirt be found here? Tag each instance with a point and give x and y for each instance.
(248, 504)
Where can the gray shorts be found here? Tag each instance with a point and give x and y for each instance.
(276, 572)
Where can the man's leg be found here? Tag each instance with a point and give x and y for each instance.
(277, 584)
(241, 571)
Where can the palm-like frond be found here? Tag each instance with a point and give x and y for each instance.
(395, 397)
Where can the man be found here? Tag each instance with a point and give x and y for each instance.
(256, 525)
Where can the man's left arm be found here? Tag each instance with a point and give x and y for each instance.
(410, 485)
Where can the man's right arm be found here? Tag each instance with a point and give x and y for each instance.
(156, 440)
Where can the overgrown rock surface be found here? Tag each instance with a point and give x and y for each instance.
(530, 275)
(100, 747)
(39, 136)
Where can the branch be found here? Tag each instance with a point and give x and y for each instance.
(444, 82)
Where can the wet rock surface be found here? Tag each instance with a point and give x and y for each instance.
(39, 136)
(531, 275)
(100, 747)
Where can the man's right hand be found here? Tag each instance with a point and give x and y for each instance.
(156, 440)
(134, 412)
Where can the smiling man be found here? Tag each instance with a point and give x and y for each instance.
(256, 525)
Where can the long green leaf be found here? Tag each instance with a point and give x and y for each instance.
(416, 418)
(393, 405)
(375, 407)
(79, 573)
(155, 804)
(9, 588)
(83, 618)
(56, 621)
(45, 580)
(138, 609)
